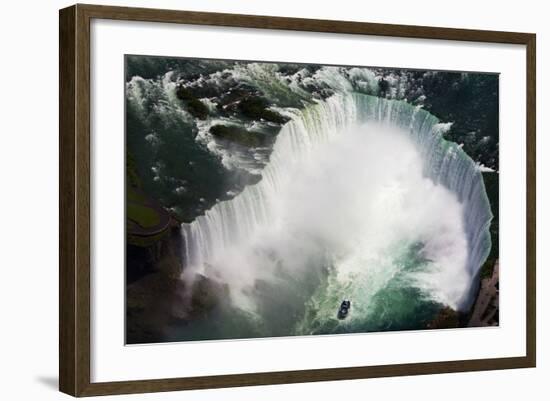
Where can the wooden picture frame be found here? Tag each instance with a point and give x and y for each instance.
(74, 205)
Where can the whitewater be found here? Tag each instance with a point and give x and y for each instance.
(362, 198)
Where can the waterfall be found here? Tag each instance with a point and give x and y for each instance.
(231, 223)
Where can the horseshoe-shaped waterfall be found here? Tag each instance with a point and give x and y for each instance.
(362, 198)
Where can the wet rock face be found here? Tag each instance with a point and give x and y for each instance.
(156, 296)
(155, 254)
(152, 279)
(241, 136)
(447, 318)
(256, 108)
(229, 100)
(206, 294)
(192, 103)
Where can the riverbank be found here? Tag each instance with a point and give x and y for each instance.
(485, 311)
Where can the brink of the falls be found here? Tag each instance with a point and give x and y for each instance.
(362, 198)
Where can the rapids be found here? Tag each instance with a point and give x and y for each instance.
(361, 198)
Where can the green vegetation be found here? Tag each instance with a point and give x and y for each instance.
(132, 195)
(256, 108)
(194, 105)
(139, 209)
(145, 216)
(131, 171)
(239, 135)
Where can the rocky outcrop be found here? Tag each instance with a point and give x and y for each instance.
(241, 136)
(193, 105)
(486, 307)
(447, 318)
(256, 108)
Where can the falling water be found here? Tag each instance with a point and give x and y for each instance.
(243, 241)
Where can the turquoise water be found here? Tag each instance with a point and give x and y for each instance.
(360, 197)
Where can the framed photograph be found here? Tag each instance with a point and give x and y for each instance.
(250, 200)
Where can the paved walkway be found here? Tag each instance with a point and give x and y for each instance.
(165, 220)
